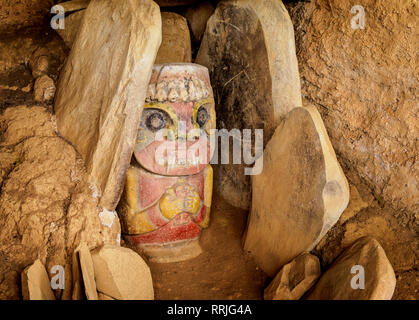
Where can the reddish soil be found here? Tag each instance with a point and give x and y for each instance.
(222, 271)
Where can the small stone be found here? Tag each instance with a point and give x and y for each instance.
(40, 66)
(176, 42)
(300, 193)
(35, 283)
(343, 280)
(27, 88)
(44, 89)
(107, 217)
(294, 279)
(122, 274)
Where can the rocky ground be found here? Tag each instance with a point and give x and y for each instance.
(222, 271)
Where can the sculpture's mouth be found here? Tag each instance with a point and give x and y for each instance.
(177, 157)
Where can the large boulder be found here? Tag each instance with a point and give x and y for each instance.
(362, 272)
(122, 274)
(300, 193)
(103, 85)
(176, 41)
(248, 47)
(294, 279)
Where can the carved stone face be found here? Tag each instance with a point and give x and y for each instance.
(173, 137)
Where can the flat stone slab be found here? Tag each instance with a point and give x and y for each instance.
(35, 283)
(102, 88)
(176, 41)
(300, 194)
(248, 48)
(87, 271)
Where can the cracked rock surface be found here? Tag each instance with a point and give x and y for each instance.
(46, 206)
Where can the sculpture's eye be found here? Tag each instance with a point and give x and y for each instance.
(202, 116)
(155, 119)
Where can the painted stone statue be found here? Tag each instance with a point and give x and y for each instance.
(168, 190)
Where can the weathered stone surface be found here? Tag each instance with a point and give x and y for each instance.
(74, 5)
(122, 274)
(81, 4)
(103, 85)
(342, 72)
(294, 279)
(16, 15)
(44, 89)
(72, 26)
(176, 41)
(39, 66)
(300, 193)
(105, 297)
(21, 48)
(197, 16)
(248, 47)
(174, 3)
(380, 281)
(35, 283)
(87, 272)
(46, 206)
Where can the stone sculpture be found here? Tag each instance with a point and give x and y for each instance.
(167, 196)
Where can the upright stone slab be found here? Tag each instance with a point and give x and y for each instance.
(176, 41)
(103, 87)
(35, 283)
(174, 3)
(248, 47)
(86, 271)
(300, 193)
(362, 272)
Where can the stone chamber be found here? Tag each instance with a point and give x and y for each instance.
(333, 86)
